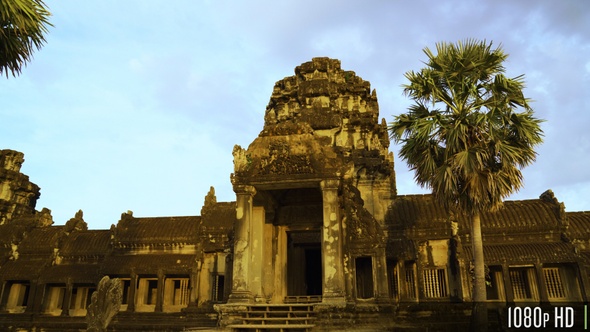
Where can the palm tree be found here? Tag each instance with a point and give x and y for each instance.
(23, 24)
(464, 138)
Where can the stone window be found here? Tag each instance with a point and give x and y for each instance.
(54, 299)
(524, 284)
(435, 283)
(80, 300)
(411, 291)
(176, 294)
(561, 282)
(16, 299)
(147, 294)
(495, 284)
(218, 287)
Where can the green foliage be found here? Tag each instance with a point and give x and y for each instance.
(463, 137)
(23, 24)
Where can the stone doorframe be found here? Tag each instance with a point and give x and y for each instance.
(248, 262)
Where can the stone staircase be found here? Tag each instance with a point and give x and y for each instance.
(289, 317)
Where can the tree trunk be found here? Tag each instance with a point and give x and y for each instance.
(479, 315)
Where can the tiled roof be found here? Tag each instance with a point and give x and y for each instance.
(175, 263)
(222, 214)
(416, 210)
(423, 211)
(41, 240)
(8, 233)
(529, 214)
(23, 268)
(158, 230)
(92, 242)
(579, 225)
(79, 273)
(526, 253)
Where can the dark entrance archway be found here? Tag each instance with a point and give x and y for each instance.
(304, 263)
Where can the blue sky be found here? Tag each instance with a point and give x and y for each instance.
(136, 105)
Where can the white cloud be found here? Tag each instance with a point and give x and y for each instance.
(140, 111)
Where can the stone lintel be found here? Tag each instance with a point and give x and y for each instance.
(279, 184)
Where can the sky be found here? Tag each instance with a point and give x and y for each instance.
(137, 104)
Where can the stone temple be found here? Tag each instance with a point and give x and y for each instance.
(318, 239)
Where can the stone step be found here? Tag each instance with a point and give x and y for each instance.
(281, 305)
(278, 319)
(303, 299)
(283, 313)
(271, 326)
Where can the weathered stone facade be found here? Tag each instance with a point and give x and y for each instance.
(317, 239)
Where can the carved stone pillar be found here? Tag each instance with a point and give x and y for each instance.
(241, 292)
(256, 253)
(332, 263)
(160, 292)
(132, 290)
(4, 290)
(65, 309)
(194, 280)
(35, 297)
(507, 284)
(402, 289)
(382, 283)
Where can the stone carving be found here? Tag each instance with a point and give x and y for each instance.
(281, 161)
(11, 160)
(362, 226)
(76, 224)
(18, 195)
(44, 218)
(210, 201)
(13, 251)
(57, 258)
(105, 304)
(549, 197)
(241, 160)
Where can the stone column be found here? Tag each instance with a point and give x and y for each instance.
(132, 290)
(5, 290)
(160, 292)
(241, 292)
(332, 262)
(256, 258)
(194, 282)
(65, 308)
(507, 284)
(380, 275)
(402, 284)
(35, 297)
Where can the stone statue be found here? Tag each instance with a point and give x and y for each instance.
(105, 304)
(240, 159)
(77, 223)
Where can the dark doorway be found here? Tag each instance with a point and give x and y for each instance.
(313, 270)
(304, 264)
(364, 277)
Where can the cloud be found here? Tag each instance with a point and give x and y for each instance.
(137, 104)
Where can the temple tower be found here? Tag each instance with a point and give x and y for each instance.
(312, 191)
(18, 195)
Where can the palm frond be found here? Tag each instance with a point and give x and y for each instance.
(23, 25)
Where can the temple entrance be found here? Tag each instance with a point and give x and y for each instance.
(364, 277)
(304, 263)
